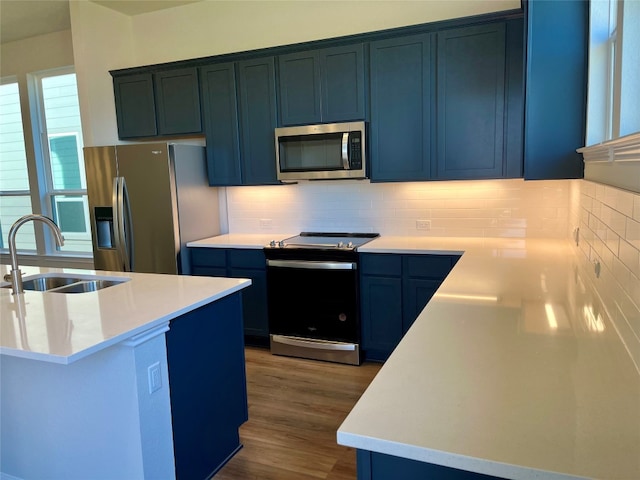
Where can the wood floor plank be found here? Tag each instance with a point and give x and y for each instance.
(295, 408)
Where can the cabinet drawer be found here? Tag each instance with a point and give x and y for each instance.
(381, 264)
(208, 257)
(428, 266)
(246, 258)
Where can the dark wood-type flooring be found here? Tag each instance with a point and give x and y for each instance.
(295, 408)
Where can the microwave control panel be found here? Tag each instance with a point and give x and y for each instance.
(355, 153)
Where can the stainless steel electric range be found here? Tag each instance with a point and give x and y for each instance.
(313, 296)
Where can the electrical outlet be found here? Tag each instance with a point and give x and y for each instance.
(155, 379)
(266, 223)
(423, 225)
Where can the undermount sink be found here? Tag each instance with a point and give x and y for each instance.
(68, 283)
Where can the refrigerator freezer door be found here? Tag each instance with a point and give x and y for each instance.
(101, 169)
(150, 181)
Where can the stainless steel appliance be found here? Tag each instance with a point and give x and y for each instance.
(313, 296)
(321, 152)
(146, 201)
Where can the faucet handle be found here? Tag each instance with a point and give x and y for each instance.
(7, 277)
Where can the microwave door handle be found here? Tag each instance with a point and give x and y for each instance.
(345, 150)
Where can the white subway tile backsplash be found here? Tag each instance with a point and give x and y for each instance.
(610, 233)
(609, 218)
(632, 233)
(456, 208)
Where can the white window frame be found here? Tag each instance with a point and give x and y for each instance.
(41, 189)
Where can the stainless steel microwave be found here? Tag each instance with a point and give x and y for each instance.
(321, 152)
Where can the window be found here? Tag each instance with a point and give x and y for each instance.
(53, 182)
(15, 198)
(614, 70)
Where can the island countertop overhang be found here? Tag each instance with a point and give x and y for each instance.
(63, 328)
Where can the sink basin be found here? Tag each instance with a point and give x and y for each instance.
(87, 286)
(42, 284)
(56, 283)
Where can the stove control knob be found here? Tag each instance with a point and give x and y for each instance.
(272, 243)
(340, 245)
(281, 243)
(350, 245)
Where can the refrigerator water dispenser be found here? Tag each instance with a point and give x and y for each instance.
(104, 227)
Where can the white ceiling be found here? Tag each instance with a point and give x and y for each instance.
(20, 19)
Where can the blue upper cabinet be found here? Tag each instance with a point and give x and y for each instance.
(300, 88)
(258, 116)
(401, 139)
(135, 105)
(240, 117)
(480, 102)
(342, 83)
(465, 125)
(471, 102)
(325, 85)
(220, 107)
(163, 103)
(556, 79)
(177, 101)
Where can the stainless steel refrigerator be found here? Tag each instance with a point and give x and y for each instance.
(146, 201)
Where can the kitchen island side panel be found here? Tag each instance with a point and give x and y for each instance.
(94, 418)
(205, 351)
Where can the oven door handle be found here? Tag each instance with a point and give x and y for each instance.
(312, 265)
(310, 343)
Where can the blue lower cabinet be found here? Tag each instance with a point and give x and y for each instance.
(379, 466)
(240, 263)
(208, 386)
(394, 289)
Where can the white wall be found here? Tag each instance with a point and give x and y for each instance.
(214, 27)
(104, 40)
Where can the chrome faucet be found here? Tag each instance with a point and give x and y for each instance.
(16, 274)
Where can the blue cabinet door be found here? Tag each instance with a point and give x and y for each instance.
(556, 94)
(258, 114)
(177, 101)
(135, 105)
(416, 294)
(402, 108)
(471, 102)
(342, 83)
(251, 263)
(299, 86)
(381, 315)
(240, 263)
(394, 289)
(326, 85)
(218, 88)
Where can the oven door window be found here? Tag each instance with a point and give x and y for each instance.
(317, 152)
(313, 303)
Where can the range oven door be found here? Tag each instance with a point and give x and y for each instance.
(313, 309)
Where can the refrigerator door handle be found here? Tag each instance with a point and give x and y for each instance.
(119, 224)
(127, 228)
(115, 205)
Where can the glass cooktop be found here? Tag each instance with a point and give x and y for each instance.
(326, 240)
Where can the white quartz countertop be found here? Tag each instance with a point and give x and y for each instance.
(240, 240)
(63, 328)
(513, 369)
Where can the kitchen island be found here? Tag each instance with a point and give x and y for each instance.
(143, 379)
(516, 368)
